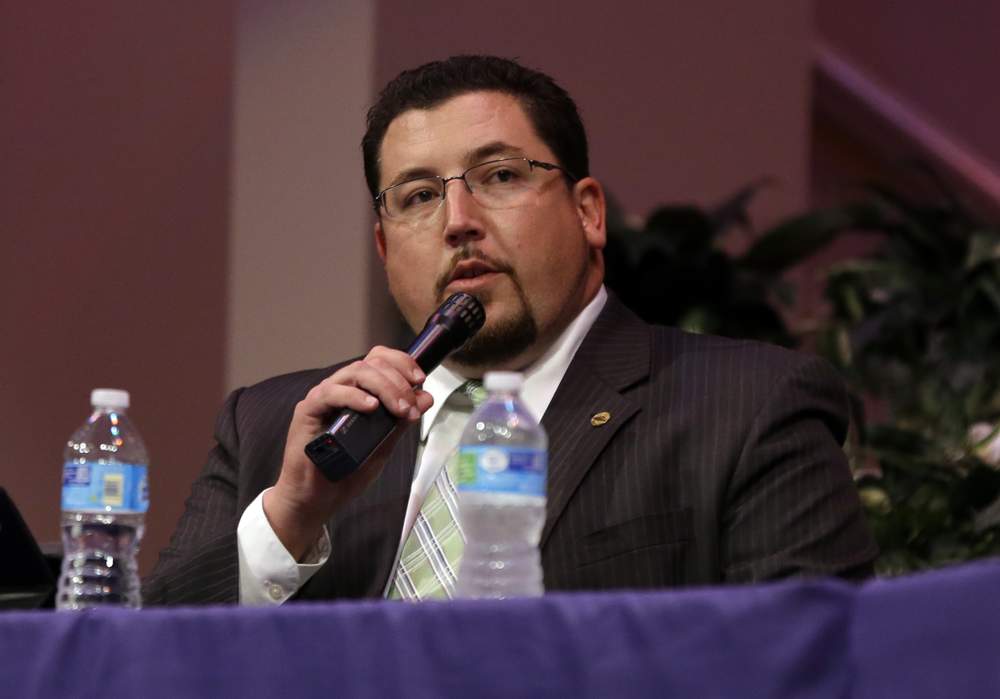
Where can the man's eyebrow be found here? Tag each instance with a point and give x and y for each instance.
(494, 149)
(412, 173)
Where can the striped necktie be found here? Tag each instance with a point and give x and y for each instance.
(428, 562)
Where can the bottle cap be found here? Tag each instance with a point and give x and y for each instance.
(507, 381)
(109, 398)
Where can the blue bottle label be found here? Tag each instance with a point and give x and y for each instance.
(502, 470)
(97, 487)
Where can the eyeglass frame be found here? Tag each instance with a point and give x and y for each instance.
(379, 201)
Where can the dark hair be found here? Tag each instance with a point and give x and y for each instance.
(549, 107)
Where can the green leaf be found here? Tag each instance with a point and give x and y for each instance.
(991, 290)
(922, 228)
(699, 320)
(794, 240)
(734, 210)
(875, 499)
(984, 246)
(784, 292)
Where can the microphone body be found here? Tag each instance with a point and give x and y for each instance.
(353, 436)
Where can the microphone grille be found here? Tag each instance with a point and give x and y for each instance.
(467, 309)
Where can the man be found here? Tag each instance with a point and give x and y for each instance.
(674, 459)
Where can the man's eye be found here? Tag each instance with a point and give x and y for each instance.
(420, 197)
(502, 175)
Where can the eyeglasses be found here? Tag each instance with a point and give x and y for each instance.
(495, 184)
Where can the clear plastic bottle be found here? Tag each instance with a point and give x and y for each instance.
(502, 469)
(105, 495)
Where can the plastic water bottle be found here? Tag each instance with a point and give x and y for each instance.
(502, 468)
(105, 496)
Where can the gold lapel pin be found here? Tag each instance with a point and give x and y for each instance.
(600, 418)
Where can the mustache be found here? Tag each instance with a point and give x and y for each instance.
(470, 254)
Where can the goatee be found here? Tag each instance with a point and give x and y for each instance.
(502, 340)
(499, 343)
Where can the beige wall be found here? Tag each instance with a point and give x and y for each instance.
(301, 233)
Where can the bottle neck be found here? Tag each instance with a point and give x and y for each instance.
(101, 410)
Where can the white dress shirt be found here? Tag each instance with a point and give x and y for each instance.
(268, 572)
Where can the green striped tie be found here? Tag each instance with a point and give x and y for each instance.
(429, 560)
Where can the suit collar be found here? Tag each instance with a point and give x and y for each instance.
(617, 346)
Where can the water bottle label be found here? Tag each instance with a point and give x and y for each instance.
(502, 470)
(105, 487)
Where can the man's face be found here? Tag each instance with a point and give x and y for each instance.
(533, 266)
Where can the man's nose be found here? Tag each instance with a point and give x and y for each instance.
(462, 213)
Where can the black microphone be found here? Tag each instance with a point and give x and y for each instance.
(353, 436)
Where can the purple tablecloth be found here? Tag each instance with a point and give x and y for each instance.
(933, 635)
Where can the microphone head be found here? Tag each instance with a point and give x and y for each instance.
(462, 313)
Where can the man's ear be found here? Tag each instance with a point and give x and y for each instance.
(379, 240)
(589, 196)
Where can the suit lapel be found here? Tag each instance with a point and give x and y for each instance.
(613, 356)
(394, 488)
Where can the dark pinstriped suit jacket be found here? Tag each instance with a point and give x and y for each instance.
(721, 462)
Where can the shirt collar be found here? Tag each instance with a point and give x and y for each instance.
(541, 379)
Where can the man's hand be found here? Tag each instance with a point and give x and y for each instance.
(303, 499)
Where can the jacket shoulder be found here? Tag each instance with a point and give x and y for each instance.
(269, 403)
(731, 355)
(290, 383)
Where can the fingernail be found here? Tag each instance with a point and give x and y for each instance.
(414, 414)
(403, 405)
(419, 376)
(371, 400)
